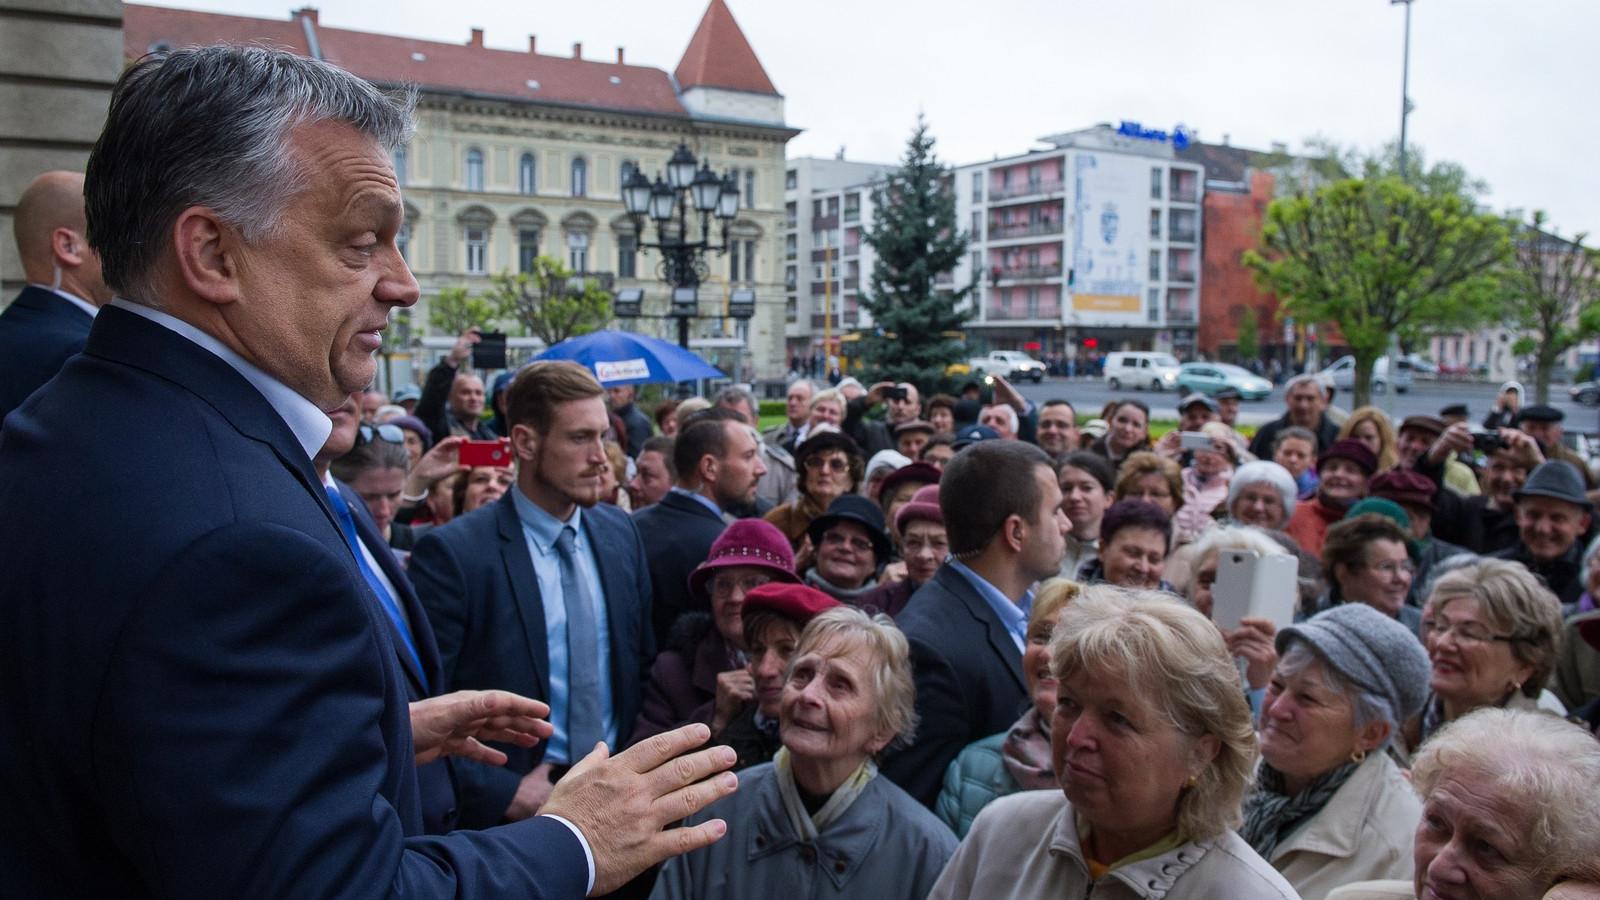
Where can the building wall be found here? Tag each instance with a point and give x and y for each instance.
(1232, 225)
(58, 62)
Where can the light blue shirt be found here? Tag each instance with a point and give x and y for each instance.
(311, 426)
(702, 499)
(541, 530)
(1014, 616)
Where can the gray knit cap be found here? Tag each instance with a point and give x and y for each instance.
(1370, 650)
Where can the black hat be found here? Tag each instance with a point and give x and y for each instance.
(824, 440)
(1427, 424)
(1228, 393)
(1455, 409)
(1539, 412)
(1557, 479)
(858, 509)
(973, 434)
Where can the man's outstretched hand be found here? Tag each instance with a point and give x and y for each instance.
(622, 803)
(456, 724)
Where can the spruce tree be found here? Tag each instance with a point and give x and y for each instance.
(915, 237)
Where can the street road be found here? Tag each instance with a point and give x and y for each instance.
(1426, 398)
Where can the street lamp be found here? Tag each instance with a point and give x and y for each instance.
(1405, 91)
(667, 201)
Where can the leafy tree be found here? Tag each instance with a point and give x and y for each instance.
(452, 311)
(550, 303)
(1323, 161)
(1249, 336)
(1381, 258)
(1553, 292)
(915, 237)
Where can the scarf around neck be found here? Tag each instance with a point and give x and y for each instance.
(851, 596)
(1026, 752)
(1270, 815)
(806, 825)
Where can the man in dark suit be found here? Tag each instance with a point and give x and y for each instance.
(1306, 405)
(545, 593)
(210, 703)
(717, 459)
(967, 626)
(415, 648)
(49, 321)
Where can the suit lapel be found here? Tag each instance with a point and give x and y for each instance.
(1000, 641)
(524, 588)
(406, 596)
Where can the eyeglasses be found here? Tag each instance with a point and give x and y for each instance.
(724, 585)
(917, 545)
(833, 463)
(1392, 568)
(1465, 632)
(840, 539)
(388, 433)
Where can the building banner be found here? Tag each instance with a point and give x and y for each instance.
(1110, 249)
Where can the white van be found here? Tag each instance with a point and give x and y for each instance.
(1141, 369)
(1343, 375)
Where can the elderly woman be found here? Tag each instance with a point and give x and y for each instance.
(1262, 494)
(1086, 482)
(923, 545)
(817, 821)
(1493, 633)
(1330, 806)
(418, 437)
(376, 470)
(1365, 560)
(480, 486)
(851, 547)
(1127, 430)
(1508, 811)
(700, 675)
(1152, 478)
(829, 466)
(899, 487)
(1342, 472)
(882, 464)
(1152, 744)
(1205, 483)
(1371, 426)
(1017, 759)
(1133, 547)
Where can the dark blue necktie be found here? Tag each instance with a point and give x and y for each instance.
(347, 523)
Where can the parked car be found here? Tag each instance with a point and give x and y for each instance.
(1208, 378)
(1343, 375)
(1141, 369)
(1586, 392)
(1013, 364)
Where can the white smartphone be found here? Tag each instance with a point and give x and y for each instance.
(1194, 440)
(1249, 585)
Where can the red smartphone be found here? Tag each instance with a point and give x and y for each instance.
(484, 453)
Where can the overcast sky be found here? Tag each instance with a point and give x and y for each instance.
(1500, 86)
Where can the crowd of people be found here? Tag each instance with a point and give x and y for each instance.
(470, 639)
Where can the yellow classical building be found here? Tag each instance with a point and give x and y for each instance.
(523, 153)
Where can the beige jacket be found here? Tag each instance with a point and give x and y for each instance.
(1364, 832)
(1374, 890)
(1025, 847)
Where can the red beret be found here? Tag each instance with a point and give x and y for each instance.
(1350, 450)
(1404, 486)
(797, 602)
(924, 505)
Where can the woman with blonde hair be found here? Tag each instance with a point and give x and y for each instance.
(1371, 426)
(1153, 747)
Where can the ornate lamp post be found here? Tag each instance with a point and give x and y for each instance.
(688, 183)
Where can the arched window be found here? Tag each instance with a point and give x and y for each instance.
(474, 169)
(628, 168)
(580, 177)
(527, 178)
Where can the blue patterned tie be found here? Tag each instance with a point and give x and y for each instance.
(584, 720)
(347, 524)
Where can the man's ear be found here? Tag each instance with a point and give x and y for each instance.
(1015, 532)
(207, 255)
(69, 247)
(524, 442)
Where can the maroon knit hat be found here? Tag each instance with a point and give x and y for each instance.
(1352, 450)
(1404, 486)
(747, 542)
(797, 602)
(919, 472)
(924, 505)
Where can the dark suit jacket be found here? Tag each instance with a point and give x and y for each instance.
(199, 696)
(477, 583)
(39, 332)
(435, 779)
(968, 674)
(678, 533)
(1261, 444)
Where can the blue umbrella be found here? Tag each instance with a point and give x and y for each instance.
(621, 357)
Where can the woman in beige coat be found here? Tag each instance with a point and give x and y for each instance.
(1329, 806)
(1152, 744)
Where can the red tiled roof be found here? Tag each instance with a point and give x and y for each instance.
(387, 58)
(719, 56)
